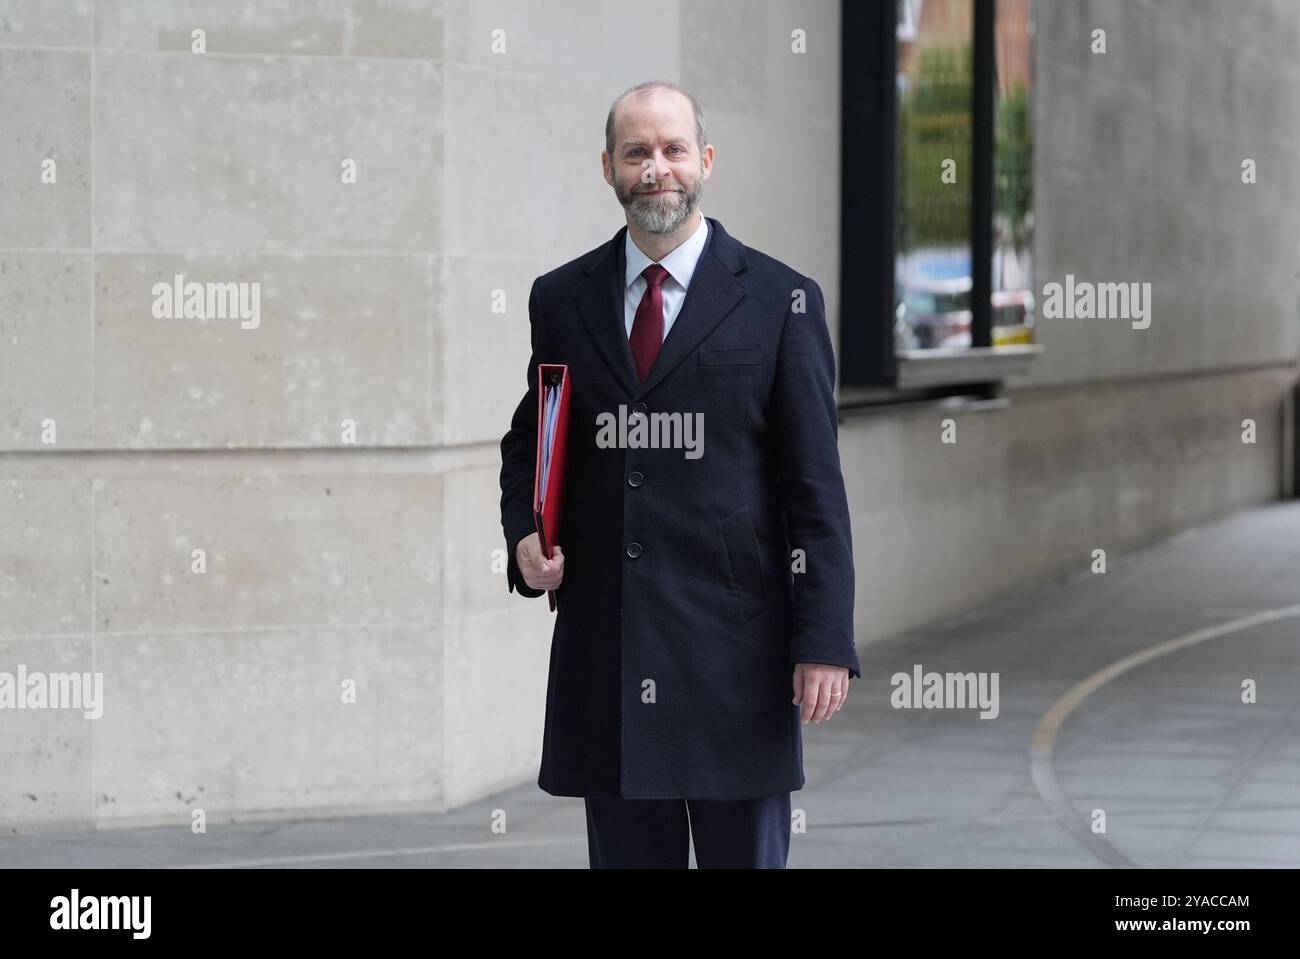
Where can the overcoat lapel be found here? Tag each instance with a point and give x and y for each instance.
(714, 292)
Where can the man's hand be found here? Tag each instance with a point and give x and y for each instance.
(822, 690)
(538, 571)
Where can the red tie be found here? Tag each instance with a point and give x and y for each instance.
(648, 326)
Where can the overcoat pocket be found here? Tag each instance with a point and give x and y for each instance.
(746, 564)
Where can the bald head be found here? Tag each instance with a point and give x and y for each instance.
(667, 96)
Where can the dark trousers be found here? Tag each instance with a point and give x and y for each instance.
(656, 833)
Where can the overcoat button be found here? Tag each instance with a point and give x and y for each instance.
(633, 550)
(635, 478)
(638, 407)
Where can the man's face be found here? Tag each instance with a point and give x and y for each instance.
(657, 170)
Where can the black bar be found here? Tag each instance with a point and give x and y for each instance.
(982, 134)
(868, 165)
(1292, 489)
(283, 907)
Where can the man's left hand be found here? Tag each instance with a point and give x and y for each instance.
(821, 689)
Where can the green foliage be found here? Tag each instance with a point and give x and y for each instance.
(1014, 186)
(934, 124)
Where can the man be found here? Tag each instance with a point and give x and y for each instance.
(705, 577)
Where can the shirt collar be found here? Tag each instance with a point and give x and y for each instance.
(680, 263)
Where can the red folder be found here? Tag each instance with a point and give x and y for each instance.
(552, 439)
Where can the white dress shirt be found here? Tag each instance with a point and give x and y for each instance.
(680, 264)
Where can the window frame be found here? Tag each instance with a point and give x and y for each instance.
(872, 369)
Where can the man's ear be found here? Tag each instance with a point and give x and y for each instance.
(605, 168)
(708, 167)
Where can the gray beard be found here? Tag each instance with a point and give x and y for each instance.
(662, 215)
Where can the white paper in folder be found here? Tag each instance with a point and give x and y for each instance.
(550, 416)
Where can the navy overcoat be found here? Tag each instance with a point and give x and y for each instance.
(680, 618)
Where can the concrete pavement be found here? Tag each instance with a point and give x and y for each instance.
(1158, 741)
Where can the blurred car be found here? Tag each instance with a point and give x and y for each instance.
(935, 313)
(1013, 317)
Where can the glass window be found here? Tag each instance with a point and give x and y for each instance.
(937, 199)
(932, 254)
(1013, 212)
